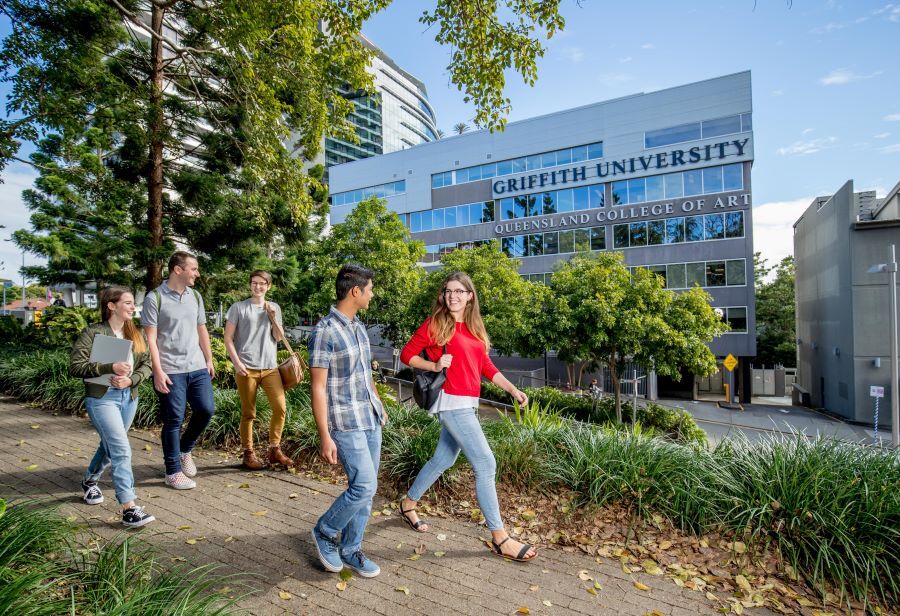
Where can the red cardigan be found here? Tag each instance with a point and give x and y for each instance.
(470, 361)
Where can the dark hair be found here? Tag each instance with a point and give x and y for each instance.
(178, 259)
(351, 275)
(112, 295)
(262, 274)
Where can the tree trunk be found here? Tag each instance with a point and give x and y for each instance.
(155, 161)
(614, 380)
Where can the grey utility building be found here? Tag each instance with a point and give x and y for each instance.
(663, 177)
(843, 313)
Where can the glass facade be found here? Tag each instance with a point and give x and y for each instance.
(731, 125)
(555, 242)
(706, 181)
(381, 191)
(680, 229)
(455, 216)
(723, 273)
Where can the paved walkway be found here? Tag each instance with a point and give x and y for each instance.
(258, 523)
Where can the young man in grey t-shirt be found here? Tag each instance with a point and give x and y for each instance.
(175, 323)
(252, 342)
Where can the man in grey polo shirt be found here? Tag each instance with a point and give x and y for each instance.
(175, 323)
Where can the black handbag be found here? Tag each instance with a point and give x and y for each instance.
(427, 384)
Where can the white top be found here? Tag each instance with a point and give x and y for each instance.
(452, 402)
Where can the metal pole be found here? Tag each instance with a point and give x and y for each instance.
(634, 400)
(23, 280)
(895, 380)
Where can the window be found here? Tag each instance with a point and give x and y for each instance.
(548, 159)
(746, 122)
(636, 191)
(715, 273)
(674, 230)
(675, 276)
(675, 134)
(733, 176)
(581, 198)
(656, 232)
(580, 153)
(507, 209)
(426, 220)
(712, 179)
(564, 202)
(415, 222)
(487, 211)
(548, 201)
(595, 150)
(564, 157)
(449, 217)
(693, 182)
(722, 126)
(735, 272)
(582, 240)
(438, 217)
(598, 195)
(534, 245)
(694, 275)
(551, 243)
(513, 246)
(659, 270)
(598, 238)
(638, 233)
(736, 316)
(566, 242)
(505, 167)
(620, 236)
(715, 226)
(620, 193)
(655, 190)
(521, 207)
(734, 224)
(674, 186)
(693, 228)
(532, 162)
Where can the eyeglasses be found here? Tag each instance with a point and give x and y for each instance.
(259, 284)
(454, 292)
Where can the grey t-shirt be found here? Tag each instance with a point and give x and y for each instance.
(253, 338)
(176, 321)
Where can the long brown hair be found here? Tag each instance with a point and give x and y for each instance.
(129, 330)
(443, 325)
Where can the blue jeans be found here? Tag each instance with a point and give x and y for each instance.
(194, 388)
(112, 416)
(359, 452)
(461, 431)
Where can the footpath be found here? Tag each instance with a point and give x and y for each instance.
(258, 525)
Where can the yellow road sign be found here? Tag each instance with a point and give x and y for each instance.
(730, 362)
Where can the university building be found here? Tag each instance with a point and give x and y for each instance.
(664, 177)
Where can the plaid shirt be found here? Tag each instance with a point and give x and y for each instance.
(342, 347)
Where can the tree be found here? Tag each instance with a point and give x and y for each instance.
(374, 237)
(513, 309)
(611, 316)
(254, 85)
(460, 128)
(775, 318)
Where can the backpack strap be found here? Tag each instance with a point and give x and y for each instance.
(158, 300)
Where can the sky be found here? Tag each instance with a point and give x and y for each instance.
(825, 78)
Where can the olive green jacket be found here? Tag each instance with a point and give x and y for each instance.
(80, 364)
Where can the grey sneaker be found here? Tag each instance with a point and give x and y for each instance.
(135, 517)
(92, 493)
(180, 481)
(328, 551)
(360, 563)
(187, 465)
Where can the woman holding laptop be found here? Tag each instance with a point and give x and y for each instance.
(111, 400)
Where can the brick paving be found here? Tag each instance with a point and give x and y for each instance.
(275, 548)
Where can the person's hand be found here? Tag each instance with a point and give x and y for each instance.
(161, 382)
(328, 450)
(519, 396)
(121, 368)
(384, 416)
(240, 368)
(444, 362)
(211, 369)
(120, 382)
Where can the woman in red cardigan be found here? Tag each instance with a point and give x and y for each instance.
(455, 321)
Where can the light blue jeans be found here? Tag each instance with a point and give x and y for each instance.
(359, 452)
(112, 416)
(461, 431)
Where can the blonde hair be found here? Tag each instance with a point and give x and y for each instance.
(129, 329)
(443, 325)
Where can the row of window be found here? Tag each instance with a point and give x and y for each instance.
(693, 131)
(456, 216)
(381, 191)
(566, 156)
(684, 184)
(554, 242)
(433, 252)
(724, 273)
(679, 229)
(552, 202)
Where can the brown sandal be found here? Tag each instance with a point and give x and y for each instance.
(413, 525)
(520, 557)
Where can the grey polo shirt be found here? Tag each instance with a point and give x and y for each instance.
(176, 323)
(254, 340)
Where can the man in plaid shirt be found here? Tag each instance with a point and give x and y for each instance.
(349, 415)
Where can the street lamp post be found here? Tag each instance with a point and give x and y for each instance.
(891, 269)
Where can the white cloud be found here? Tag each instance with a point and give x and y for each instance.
(890, 149)
(624, 60)
(573, 54)
(891, 11)
(777, 92)
(773, 227)
(881, 136)
(842, 76)
(615, 78)
(648, 46)
(802, 148)
(827, 28)
(893, 117)
(807, 131)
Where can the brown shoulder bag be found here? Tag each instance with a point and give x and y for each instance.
(293, 369)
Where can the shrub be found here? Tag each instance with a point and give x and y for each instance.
(409, 442)
(62, 325)
(11, 332)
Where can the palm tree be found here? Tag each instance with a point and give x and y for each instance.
(460, 128)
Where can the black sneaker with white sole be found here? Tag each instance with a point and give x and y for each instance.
(92, 493)
(136, 517)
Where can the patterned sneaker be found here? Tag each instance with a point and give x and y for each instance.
(361, 564)
(180, 481)
(187, 465)
(328, 551)
(135, 517)
(92, 493)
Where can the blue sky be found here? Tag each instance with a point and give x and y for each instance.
(826, 88)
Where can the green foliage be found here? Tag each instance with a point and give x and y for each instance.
(775, 319)
(10, 330)
(408, 442)
(61, 326)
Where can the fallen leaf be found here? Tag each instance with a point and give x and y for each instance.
(31, 467)
(178, 559)
(739, 547)
(184, 528)
(528, 515)
(441, 536)
(293, 495)
(805, 602)
(737, 608)
(651, 567)
(191, 541)
(229, 539)
(743, 584)
(547, 603)
(259, 513)
(626, 568)
(641, 586)
(148, 448)
(21, 442)
(597, 585)
(439, 554)
(583, 575)
(415, 557)
(403, 589)
(665, 545)
(533, 588)
(346, 575)
(35, 426)
(523, 610)
(465, 504)
(711, 596)
(591, 590)
(342, 586)
(284, 595)
(225, 590)
(244, 486)
(421, 549)
(653, 613)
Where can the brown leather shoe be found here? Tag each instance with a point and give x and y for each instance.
(251, 461)
(276, 456)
